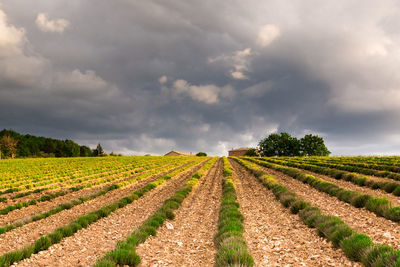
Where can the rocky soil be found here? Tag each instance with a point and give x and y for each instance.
(87, 245)
(188, 239)
(274, 236)
(379, 229)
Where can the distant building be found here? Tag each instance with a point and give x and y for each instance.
(239, 152)
(177, 153)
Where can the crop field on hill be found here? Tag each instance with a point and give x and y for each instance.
(200, 211)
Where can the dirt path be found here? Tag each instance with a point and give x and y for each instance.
(83, 248)
(350, 186)
(29, 211)
(380, 230)
(190, 241)
(275, 237)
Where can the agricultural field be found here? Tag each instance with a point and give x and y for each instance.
(200, 211)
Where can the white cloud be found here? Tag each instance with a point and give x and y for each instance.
(267, 34)
(208, 93)
(51, 25)
(238, 62)
(16, 66)
(163, 79)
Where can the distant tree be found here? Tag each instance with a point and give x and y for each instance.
(8, 146)
(37, 146)
(313, 145)
(279, 145)
(85, 151)
(252, 152)
(201, 154)
(98, 151)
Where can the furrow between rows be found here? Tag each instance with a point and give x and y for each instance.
(188, 239)
(28, 233)
(381, 230)
(276, 237)
(88, 244)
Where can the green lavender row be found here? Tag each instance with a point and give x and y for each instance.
(82, 222)
(387, 186)
(73, 203)
(232, 248)
(381, 206)
(357, 247)
(125, 252)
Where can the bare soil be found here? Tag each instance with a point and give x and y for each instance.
(188, 239)
(379, 229)
(28, 233)
(363, 189)
(87, 245)
(275, 237)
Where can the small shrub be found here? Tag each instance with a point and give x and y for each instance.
(169, 214)
(359, 201)
(355, 245)
(360, 181)
(105, 263)
(378, 205)
(42, 244)
(298, 205)
(374, 254)
(124, 257)
(390, 187)
(55, 237)
(396, 191)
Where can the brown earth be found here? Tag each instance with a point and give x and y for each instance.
(188, 239)
(274, 236)
(379, 229)
(350, 186)
(87, 245)
(28, 233)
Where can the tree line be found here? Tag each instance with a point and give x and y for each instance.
(13, 144)
(284, 144)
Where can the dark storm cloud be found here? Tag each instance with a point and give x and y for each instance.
(232, 73)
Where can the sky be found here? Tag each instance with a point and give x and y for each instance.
(158, 75)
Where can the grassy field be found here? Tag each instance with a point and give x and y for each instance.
(200, 211)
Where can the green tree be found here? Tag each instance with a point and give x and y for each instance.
(98, 151)
(279, 145)
(201, 154)
(313, 145)
(85, 151)
(8, 146)
(252, 152)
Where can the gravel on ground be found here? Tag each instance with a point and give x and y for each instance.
(379, 229)
(87, 245)
(188, 239)
(275, 237)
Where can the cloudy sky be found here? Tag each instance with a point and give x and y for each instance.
(151, 76)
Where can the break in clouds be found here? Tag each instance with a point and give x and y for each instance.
(151, 76)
